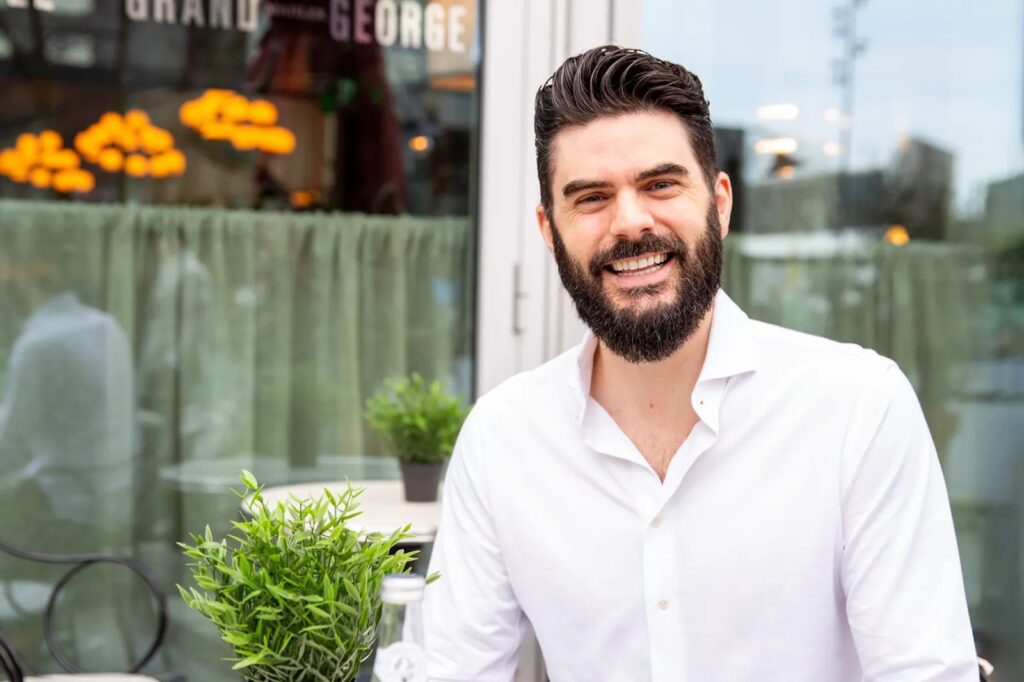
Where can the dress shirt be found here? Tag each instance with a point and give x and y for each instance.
(802, 531)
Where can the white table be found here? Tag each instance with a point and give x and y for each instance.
(92, 677)
(216, 476)
(383, 507)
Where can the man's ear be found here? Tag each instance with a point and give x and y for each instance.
(723, 201)
(545, 227)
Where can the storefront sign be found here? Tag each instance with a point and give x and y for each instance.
(41, 5)
(212, 13)
(438, 26)
(435, 26)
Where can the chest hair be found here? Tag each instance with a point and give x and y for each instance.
(657, 435)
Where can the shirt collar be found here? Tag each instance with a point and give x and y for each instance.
(731, 347)
(731, 351)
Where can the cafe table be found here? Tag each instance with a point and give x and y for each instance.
(382, 505)
(92, 677)
(383, 510)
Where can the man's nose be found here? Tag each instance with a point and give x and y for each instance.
(632, 217)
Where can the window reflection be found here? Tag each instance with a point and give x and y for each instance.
(378, 100)
(67, 415)
(271, 200)
(879, 177)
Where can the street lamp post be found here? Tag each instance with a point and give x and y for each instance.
(844, 28)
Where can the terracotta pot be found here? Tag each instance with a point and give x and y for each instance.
(421, 481)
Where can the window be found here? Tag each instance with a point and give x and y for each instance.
(224, 224)
(876, 151)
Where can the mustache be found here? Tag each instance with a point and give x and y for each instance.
(648, 244)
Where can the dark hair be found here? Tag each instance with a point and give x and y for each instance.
(610, 81)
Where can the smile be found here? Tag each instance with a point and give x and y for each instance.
(639, 266)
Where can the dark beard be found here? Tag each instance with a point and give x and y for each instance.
(653, 334)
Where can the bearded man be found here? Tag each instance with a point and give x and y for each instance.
(688, 494)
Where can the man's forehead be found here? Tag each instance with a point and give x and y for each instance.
(626, 144)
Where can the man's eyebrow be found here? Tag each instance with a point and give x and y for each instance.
(661, 169)
(577, 186)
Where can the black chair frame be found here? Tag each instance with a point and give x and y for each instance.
(13, 664)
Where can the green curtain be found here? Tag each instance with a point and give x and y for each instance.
(921, 304)
(949, 314)
(255, 340)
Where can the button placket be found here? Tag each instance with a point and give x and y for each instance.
(661, 578)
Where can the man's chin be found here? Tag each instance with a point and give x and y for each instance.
(640, 299)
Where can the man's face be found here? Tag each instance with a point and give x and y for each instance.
(636, 231)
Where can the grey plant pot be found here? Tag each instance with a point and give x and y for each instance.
(421, 481)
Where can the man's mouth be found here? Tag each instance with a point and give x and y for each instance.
(631, 267)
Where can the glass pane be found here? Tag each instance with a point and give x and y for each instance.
(223, 224)
(876, 151)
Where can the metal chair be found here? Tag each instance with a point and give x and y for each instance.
(13, 665)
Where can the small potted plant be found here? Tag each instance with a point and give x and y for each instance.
(418, 422)
(294, 591)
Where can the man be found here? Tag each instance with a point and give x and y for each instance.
(689, 494)
(66, 425)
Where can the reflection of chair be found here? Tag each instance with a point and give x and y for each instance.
(13, 664)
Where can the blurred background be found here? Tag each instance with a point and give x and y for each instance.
(223, 223)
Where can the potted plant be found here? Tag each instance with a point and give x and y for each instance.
(418, 422)
(294, 591)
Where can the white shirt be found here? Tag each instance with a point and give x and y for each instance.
(802, 532)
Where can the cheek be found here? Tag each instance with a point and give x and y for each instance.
(688, 225)
(585, 237)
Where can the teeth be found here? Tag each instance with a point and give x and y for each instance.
(639, 263)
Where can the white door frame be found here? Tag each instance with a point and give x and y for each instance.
(523, 316)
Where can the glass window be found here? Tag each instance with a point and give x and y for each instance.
(876, 151)
(223, 223)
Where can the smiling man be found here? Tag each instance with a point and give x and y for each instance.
(688, 494)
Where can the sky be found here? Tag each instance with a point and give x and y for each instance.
(946, 71)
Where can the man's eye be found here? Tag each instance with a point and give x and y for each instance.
(591, 198)
(661, 184)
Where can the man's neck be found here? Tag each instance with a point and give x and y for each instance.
(665, 387)
(651, 402)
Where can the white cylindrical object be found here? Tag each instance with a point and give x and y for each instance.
(402, 588)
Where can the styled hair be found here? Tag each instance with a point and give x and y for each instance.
(612, 81)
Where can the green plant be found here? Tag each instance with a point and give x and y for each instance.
(417, 421)
(295, 591)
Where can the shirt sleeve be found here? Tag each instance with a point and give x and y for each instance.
(901, 571)
(473, 623)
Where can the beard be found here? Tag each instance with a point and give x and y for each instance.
(653, 333)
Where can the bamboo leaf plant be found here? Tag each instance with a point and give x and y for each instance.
(294, 591)
(419, 422)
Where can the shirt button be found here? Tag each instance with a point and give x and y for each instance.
(663, 604)
(656, 523)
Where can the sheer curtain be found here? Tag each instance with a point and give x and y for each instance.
(254, 340)
(943, 311)
(923, 304)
